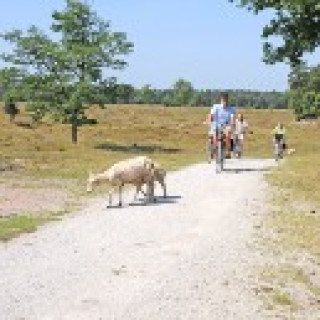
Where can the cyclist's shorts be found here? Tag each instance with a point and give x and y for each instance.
(278, 136)
(227, 129)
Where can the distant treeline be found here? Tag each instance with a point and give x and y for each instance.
(183, 94)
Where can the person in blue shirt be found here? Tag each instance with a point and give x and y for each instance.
(222, 115)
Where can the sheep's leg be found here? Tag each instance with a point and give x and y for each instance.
(150, 192)
(120, 194)
(110, 197)
(164, 188)
(141, 190)
(138, 189)
(153, 198)
(144, 194)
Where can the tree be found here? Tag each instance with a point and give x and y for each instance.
(197, 99)
(317, 104)
(298, 76)
(145, 95)
(167, 98)
(62, 76)
(10, 108)
(297, 22)
(105, 92)
(182, 92)
(304, 90)
(10, 83)
(125, 93)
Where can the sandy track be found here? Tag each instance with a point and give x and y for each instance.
(185, 258)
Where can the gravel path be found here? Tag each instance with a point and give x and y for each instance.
(188, 257)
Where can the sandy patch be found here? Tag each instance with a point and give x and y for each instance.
(24, 200)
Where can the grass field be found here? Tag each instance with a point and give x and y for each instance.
(174, 136)
(297, 190)
(294, 226)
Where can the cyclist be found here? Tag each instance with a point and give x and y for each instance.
(279, 133)
(222, 115)
(240, 129)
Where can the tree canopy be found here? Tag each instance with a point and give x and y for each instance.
(296, 22)
(304, 95)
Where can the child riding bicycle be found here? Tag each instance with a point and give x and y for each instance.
(279, 141)
(279, 133)
(240, 130)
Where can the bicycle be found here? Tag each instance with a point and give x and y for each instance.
(216, 151)
(210, 149)
(237, 146)
(220, 153)
(278, 147)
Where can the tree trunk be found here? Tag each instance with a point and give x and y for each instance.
(12, 116)
(74, 126)
(74, 131)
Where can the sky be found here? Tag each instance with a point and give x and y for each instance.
(211, 43)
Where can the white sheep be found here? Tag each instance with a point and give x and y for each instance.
(136, 171)
(159, 176)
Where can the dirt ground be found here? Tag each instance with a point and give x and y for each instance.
(16, 201)
(23, 196)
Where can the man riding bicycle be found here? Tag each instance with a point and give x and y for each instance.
(221, 116)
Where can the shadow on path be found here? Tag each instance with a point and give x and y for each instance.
(159, 201)
(135, 148)
(140, 202)
(243, 170)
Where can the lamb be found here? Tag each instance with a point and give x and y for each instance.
(159, 176)
(136, 171)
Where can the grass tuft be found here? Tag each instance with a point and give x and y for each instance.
(12, 226)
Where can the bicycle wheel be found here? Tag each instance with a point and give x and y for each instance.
(276, 151)
(220, 155)
(210, 150)
(237, 148)
(281, 149)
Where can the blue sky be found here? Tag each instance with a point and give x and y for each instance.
(211, 43)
